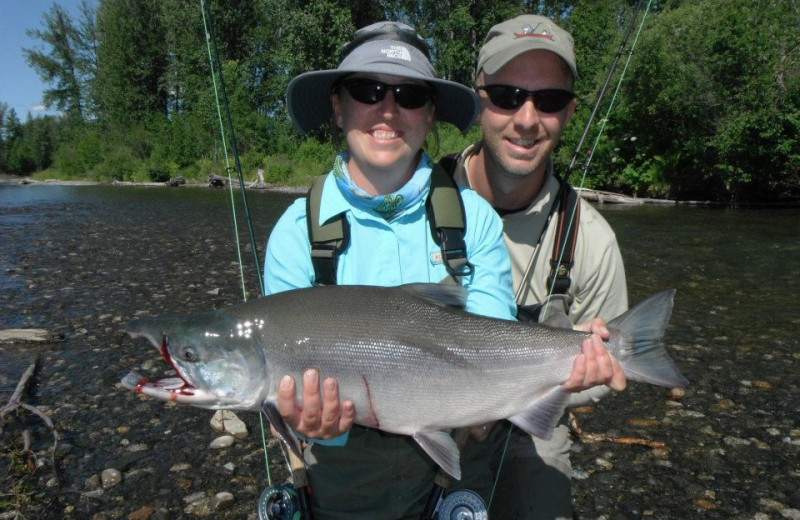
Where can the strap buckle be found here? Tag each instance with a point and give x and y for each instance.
(454, 251)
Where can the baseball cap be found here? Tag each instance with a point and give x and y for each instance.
(381, 48)
(527, 32)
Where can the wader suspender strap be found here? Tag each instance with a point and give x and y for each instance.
(565, 241)
(445, 212)
(327, 240)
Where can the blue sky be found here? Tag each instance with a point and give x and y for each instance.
(20, 87)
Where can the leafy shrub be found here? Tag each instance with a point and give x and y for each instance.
(118, 164)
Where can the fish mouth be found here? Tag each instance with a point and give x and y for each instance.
(175, 389)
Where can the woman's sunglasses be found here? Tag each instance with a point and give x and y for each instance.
(371, 91)
(549, 101)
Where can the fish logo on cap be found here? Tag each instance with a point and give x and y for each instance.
(530, 32)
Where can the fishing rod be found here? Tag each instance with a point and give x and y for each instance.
(211, 44)
(282, 501)
(620, 51)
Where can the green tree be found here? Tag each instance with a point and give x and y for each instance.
(132, 60)
(62, 64)
(715, 94)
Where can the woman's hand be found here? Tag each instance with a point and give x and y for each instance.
(319, 417)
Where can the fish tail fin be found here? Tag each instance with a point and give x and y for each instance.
(636, 341)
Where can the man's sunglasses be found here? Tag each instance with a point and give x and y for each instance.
(549, 100)
(371, 91)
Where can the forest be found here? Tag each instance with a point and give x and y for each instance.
(704, 106)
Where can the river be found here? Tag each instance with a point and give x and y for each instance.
(81, 261)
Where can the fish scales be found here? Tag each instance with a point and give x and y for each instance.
(409, 357)
(415, 349)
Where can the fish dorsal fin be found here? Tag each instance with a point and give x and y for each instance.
(558, 320)
(542, 416)
(445, 295)
(441, 447)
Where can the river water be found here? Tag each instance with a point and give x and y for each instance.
(82, 260)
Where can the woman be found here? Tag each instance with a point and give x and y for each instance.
(385, 98)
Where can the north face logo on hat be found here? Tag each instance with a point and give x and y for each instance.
(397, 51)
(540, 31)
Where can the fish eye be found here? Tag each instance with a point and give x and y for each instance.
(188, 353)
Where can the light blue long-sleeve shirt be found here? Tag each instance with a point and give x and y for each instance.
(400, 251)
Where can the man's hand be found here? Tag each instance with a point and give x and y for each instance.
(595, 366)
(319, 418)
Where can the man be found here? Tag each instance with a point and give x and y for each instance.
(525, 79)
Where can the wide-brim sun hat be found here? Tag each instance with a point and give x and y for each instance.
(381, 48)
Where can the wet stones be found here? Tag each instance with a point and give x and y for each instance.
(225, 421)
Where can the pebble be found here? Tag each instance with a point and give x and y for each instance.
(92, 482)
(735, 441)
(183, 466)
(142, 514)
(676, 393)
(110, 477)
(221, 500)
(605, 464)
(225, 421)
(225, 441)
(194, 497)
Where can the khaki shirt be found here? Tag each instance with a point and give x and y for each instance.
(598, 287)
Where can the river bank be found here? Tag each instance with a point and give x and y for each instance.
(597, 196)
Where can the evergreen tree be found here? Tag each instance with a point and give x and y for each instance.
(132, 60)
(62, 65)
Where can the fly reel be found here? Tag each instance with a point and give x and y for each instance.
(279, 502)
(462, 504)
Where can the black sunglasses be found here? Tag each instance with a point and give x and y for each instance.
(549, 100)
(371, 91)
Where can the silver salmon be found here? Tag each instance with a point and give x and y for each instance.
(409, 357)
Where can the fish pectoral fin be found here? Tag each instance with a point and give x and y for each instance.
(542, 417)
(284, 432)
(441, 447)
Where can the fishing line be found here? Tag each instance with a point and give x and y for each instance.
(211, 42)
(213, 58)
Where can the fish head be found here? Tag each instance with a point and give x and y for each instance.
(216, 356)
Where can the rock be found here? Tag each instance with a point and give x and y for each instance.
(183, 466)
(604, 464)
(225, 421)
(24, 335)
(225, 441)
(110, 477)
(221, 500)
(142, 514)
(194, 497)
(230, 467)
(676, 393)
(92, 482)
